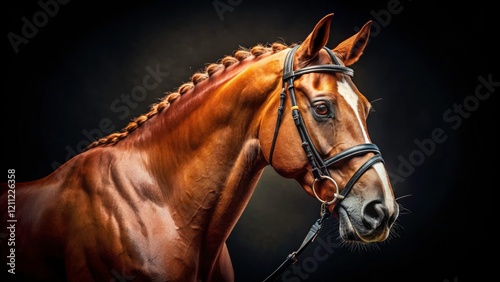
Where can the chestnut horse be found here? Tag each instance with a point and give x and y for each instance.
(158, 200)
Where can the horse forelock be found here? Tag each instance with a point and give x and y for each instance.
(211, 69)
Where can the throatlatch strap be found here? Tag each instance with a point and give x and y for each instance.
(278, 123)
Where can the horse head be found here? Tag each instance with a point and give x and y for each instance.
(322, 111)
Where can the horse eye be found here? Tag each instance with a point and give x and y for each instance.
(322, 110)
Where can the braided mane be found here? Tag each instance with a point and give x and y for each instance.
(239, 55)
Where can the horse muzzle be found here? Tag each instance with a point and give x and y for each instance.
(368, 223)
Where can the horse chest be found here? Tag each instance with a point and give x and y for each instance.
(147, 246)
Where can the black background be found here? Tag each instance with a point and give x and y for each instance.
(421, 63)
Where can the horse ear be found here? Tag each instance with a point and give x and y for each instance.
(316, 40)
(351, 49)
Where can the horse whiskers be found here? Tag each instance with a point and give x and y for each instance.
(376, 100)
(352, 246)
(403, 210)
(358, 246)
(395, 231)
(403, 196)
(372, 109)
(373, 246)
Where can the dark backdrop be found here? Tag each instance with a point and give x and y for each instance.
(428, 67)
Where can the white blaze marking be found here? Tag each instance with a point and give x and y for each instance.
(388, 196)
(351, 97)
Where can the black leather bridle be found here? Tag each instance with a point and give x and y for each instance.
(318, 164)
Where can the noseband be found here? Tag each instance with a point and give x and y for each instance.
(318, 164)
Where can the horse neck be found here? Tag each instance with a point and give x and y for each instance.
(204, 152)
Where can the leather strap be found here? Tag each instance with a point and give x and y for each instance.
(292, 257)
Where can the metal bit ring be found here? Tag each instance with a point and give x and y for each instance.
(337, 195)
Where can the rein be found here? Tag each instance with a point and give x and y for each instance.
(318, 164)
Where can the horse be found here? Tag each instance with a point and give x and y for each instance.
(157, 200)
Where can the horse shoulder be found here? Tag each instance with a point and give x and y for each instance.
(115, 216)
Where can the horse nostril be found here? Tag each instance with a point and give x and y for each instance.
(374, 214)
